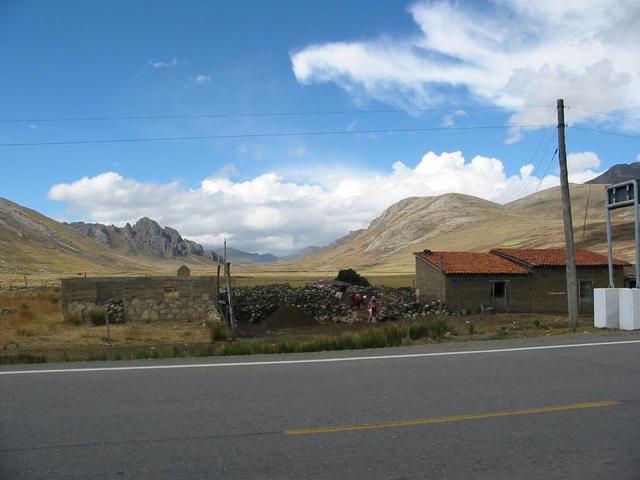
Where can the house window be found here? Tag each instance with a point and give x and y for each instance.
(586, 289)
(499, 289)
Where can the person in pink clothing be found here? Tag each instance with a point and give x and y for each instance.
(373, 306)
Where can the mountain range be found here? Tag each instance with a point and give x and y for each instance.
(145, 237)
(33, 243)
(618, 173)
(463, 222)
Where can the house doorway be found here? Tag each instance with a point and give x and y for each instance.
(585, 296)
(499, 296)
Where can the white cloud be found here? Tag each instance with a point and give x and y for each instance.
(582, 161)
(508, 53)
(271, 213)
(33, 126)
(449, 120)
(201, 79)
(163, 64)
(298, 152)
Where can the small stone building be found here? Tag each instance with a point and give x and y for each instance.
(166, 298)
(184, 271)
(510, 280)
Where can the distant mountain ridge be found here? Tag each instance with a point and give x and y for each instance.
(145, 237)
(33, 243)
(452, 221)
(618, 173)
(235, 255)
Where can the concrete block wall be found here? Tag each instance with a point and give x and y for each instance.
(144, 298)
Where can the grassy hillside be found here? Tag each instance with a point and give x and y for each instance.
(31, 243)
(462, 222)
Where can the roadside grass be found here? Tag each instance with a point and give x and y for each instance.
(38, 326)
(387, 335)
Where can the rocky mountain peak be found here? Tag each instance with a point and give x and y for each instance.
(145, 237)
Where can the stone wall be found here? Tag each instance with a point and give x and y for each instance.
(142, 298)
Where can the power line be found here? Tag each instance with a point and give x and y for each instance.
(604, 132)
(256, 114)
(607, 114)
(266, 135)
(546, 170)
(524, 183)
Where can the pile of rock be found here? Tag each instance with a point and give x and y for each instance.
(7, 311)
(114, 311)
(255, 304)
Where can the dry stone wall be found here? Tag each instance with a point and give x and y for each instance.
(256, 304)
(144, 299)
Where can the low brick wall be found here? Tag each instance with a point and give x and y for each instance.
(142, 298)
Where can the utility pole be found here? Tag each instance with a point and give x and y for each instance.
(572, 286)
(227, 274)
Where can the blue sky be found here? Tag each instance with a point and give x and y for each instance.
(119, 58)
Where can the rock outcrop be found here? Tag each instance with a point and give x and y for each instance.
(145, 237)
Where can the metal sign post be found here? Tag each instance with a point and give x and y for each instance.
(624, 194)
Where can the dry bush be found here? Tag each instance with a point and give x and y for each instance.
(37, 314)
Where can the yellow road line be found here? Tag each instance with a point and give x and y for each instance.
(453, 418)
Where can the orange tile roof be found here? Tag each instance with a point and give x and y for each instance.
(472, 263)
(554, 257)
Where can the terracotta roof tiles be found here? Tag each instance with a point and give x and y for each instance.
(472, 263)
(554, 257)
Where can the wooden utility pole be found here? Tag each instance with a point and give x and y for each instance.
(227, 274)
(572, 285)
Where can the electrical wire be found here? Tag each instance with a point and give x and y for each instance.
(546, 170)
(255, 114)
(615, 115)
(266, 135)
(586, 211)
(604, 132)
(524, 183)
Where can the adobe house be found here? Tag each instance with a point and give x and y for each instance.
(550, 277)
(184, 271)
(510, 280)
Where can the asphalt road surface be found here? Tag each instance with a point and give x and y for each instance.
(485, 410)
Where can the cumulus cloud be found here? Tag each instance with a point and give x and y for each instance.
(201, 79)
(163, 64)
(507, 53)
(271, 213)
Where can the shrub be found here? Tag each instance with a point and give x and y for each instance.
(25, 332)
(375, 337)
(97, 316)
(73, 317)
(351, 276)
(219, 331)
(25, 312)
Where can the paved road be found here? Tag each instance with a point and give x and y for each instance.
(523, 413)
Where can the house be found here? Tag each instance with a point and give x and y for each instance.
(184, 271)
(510, 280)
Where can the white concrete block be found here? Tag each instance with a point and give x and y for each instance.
(606, 307)
(629, 309)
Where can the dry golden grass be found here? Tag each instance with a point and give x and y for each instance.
(38, 324)
(37, 327)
